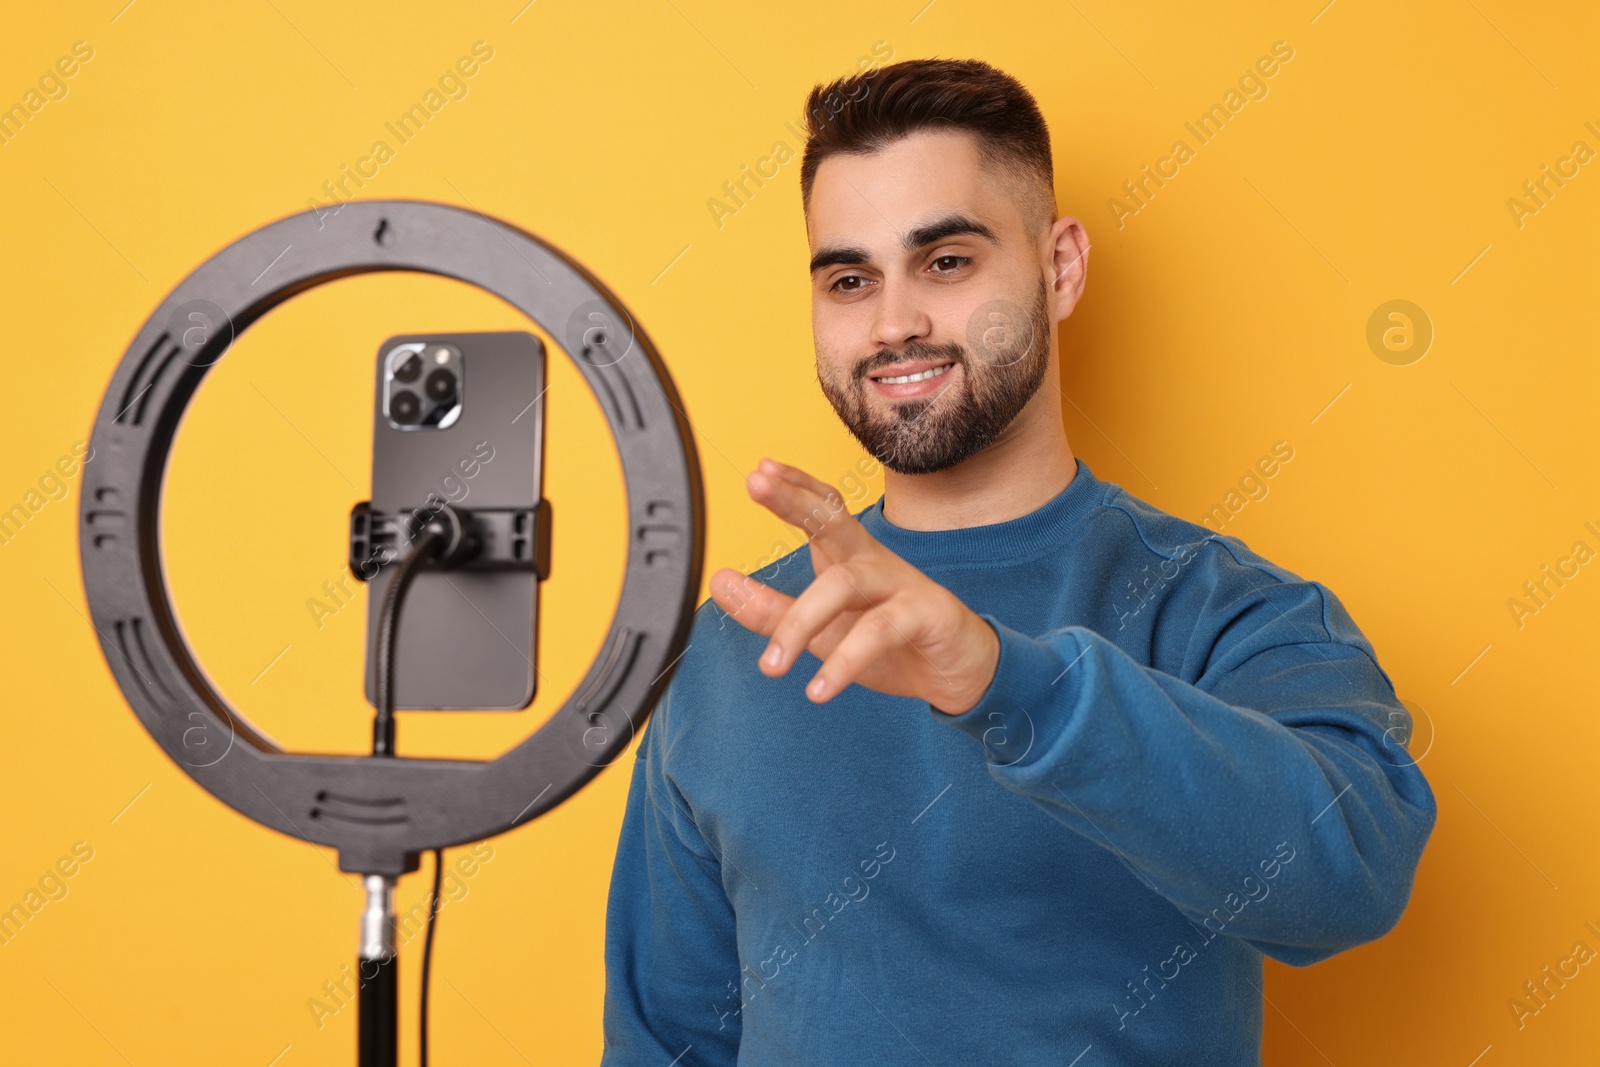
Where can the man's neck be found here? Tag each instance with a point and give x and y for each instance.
(1013, 477)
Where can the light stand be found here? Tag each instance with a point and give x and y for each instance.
(378, 1006)
(381, 813)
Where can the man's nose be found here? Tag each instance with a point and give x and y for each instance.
(901, 316)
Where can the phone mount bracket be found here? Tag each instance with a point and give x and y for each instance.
(484, 539)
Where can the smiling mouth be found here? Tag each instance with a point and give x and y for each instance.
(920, 376)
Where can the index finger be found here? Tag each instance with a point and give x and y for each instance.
(809, 503)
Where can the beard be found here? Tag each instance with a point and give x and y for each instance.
(1001, 369)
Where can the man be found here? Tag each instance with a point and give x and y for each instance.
(1035, 772)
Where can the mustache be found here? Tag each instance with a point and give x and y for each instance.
(884, 359)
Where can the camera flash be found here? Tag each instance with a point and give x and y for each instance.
(441, 355)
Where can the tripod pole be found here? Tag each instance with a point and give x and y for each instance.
(378, 1013)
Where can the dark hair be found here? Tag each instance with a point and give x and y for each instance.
(869, 110)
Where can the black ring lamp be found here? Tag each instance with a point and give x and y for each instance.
(382, 813)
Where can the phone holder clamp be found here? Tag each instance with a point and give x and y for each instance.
(516, 539)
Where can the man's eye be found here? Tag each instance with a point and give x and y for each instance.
(835, 287)
(960, 261)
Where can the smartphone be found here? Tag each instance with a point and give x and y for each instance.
(459, 417)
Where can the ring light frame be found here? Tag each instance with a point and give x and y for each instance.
(381, 813)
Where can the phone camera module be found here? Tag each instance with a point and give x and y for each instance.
(423, 385)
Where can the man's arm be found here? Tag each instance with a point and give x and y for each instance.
(1283, 750)
(1285, 747)
(670, 948)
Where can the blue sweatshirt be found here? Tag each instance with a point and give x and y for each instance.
(1188, 759)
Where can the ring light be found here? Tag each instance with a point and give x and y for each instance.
(381, 813)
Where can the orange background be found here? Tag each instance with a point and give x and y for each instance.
(1229, 312)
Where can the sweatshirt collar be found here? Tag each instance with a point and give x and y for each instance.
(1024, 535)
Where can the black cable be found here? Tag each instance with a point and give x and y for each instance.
(427, 955)
(428, 542)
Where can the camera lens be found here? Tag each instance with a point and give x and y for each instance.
(409, 369)
(405, 408)
(441, 385)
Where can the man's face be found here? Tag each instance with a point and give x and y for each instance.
(901, 286)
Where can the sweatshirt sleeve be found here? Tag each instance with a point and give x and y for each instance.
(670, 951)
(1271, 800)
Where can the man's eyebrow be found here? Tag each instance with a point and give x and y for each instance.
(949, 226)
(837, 256)
(938, 230)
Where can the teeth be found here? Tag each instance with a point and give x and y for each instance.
(921, 377)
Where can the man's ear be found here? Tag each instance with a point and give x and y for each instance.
(1068, 246)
